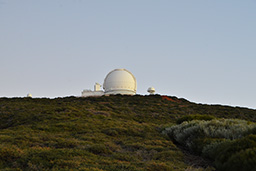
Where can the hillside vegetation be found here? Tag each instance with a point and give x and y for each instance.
(102, 133)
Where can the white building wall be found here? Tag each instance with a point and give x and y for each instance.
(88, 93)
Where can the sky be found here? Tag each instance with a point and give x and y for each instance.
(200, 50)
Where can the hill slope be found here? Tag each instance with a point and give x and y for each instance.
(103, 133)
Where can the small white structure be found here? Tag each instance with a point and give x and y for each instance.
(151, 90)
(29, 95)
(118, 81)
(97, 91)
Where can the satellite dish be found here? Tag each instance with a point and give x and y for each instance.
(151, 90)
(29, 95)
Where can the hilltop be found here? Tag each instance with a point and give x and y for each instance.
(100, 133)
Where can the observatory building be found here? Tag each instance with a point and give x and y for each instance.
(118, 81)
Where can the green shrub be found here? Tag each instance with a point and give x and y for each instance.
(119, 167)
(158, 166)
(193, 133)
(125, 156)
(210, 150)
(228, 142)
(244, 160)
(99, 149)
(194, 117)
(168, 155)
(9, 153)
(241, 151)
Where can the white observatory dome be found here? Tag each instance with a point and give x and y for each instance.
(120, 81)
(151, 90)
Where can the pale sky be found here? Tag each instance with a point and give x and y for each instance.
(200, 50)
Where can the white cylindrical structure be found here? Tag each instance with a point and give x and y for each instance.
(120, 81)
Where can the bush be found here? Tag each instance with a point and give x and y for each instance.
(187, 133)
(155, 166)
(194, 117)
(210, 150)
(10, 154)
(118, 167)
(99, 149)
(241, 151)
(168, 155)
(245, 160)
(229, 142)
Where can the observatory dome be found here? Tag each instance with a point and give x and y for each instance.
(151, 90)
(120, 81)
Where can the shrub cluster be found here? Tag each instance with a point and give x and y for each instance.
(231, 143)
(194, 117)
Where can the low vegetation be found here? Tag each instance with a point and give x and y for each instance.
(230, 143)
(110, 133)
